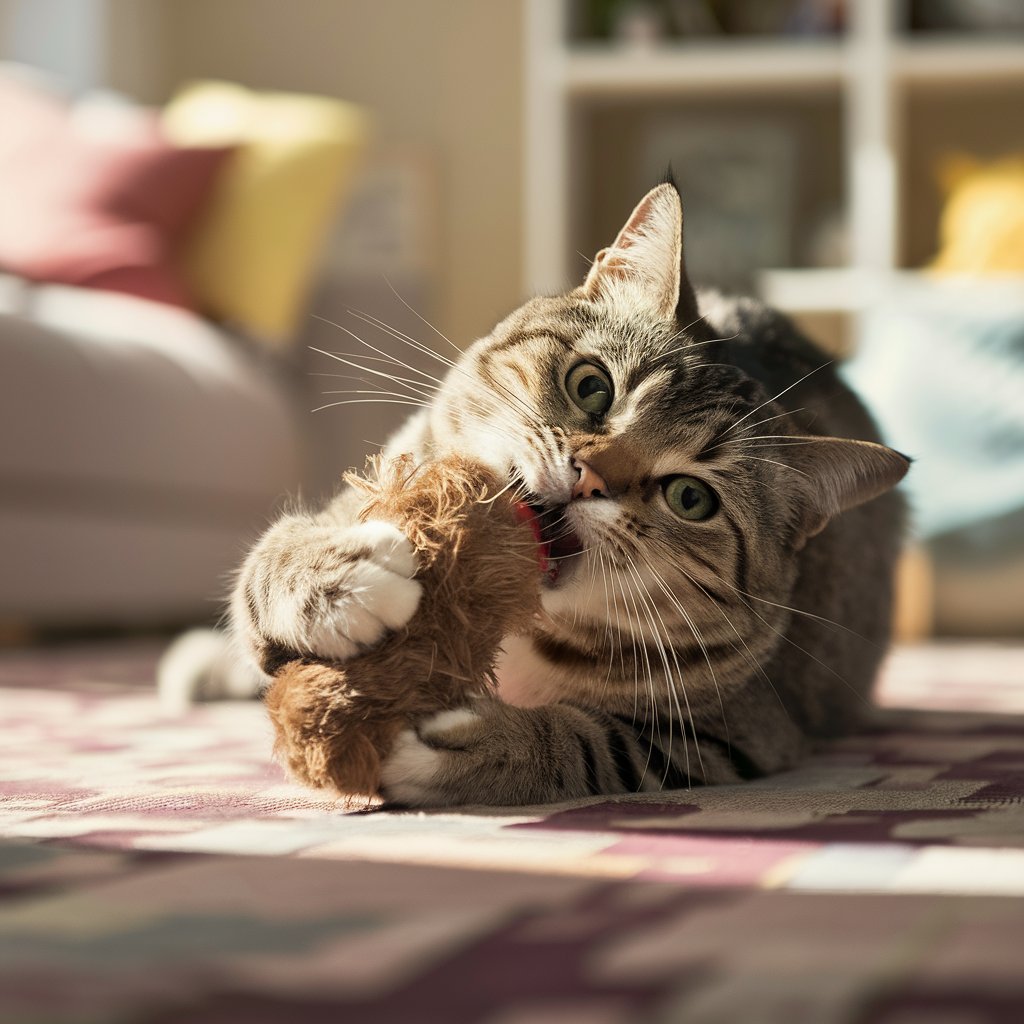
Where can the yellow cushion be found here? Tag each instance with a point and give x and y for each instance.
(982, 225)
(251, 260)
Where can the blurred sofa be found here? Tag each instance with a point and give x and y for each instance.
(141, 447)
(155, 273)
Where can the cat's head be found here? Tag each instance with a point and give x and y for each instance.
(660, 468)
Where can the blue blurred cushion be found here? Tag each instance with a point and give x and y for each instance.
(941, 366)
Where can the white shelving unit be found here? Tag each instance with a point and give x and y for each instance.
(869, 68)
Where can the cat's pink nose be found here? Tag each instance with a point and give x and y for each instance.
(590, 484)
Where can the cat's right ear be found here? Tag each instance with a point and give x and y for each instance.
(644, 266)
(832, 474)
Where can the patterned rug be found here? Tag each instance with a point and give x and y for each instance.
(161, 868)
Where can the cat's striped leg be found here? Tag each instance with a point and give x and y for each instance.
(498, 754)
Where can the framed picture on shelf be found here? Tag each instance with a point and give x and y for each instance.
(738, 182)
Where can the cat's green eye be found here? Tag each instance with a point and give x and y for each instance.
(690, 498)
(589, 388)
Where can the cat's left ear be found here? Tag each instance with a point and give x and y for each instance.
(644, 265)
(833, 474)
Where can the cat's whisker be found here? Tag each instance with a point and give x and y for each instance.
(768, 445)
(618, 626)
(635, 657)
(362, 380)
(608, 639)
(412, 385)
(421, 388)
(670, 555)
(691, 346)
(419, 316)
(806, 614)
(777, 416)
(651, 609)
(358, 366)
(692, 323)
(590, 590)
(407, 339)
(782, 438)
(387, 361)
(582, 551)
(381, 352)
(426, 350)
(339, 376)
(683, 330)
(797, 646)
(774, 462)
(531, 413)
(365, 391)
(682, 682)
(411, 390)
(677, 604)
(775, 398)
(636, 661)
(746, 652)
(651, 705)
(739, 636)
(510, 486)
(368, 401)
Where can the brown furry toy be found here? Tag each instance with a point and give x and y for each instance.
(480, 565)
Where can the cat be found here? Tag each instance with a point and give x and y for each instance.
(723, 532)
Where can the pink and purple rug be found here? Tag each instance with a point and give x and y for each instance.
(162, 869)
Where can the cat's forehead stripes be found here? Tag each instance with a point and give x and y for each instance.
(637, 393)
(515, 339)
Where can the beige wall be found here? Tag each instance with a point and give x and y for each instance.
(444, 74)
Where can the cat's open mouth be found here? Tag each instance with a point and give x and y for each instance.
(558, 542)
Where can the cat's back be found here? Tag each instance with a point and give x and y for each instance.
(825, 664)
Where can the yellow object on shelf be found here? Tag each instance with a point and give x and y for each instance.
(982, 225)
(252, 259)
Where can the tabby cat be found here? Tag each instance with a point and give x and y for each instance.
(723, 543)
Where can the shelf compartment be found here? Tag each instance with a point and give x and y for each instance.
(957, 60)
(627, 71)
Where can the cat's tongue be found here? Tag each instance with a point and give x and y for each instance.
(527, 515)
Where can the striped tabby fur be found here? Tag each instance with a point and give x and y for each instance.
(671, 651)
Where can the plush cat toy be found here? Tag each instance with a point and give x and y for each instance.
(481, 558)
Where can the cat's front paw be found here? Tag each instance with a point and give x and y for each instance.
(432, 765)
(367, 592)
(326, 592)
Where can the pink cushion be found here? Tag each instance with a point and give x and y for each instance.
(94, 211)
